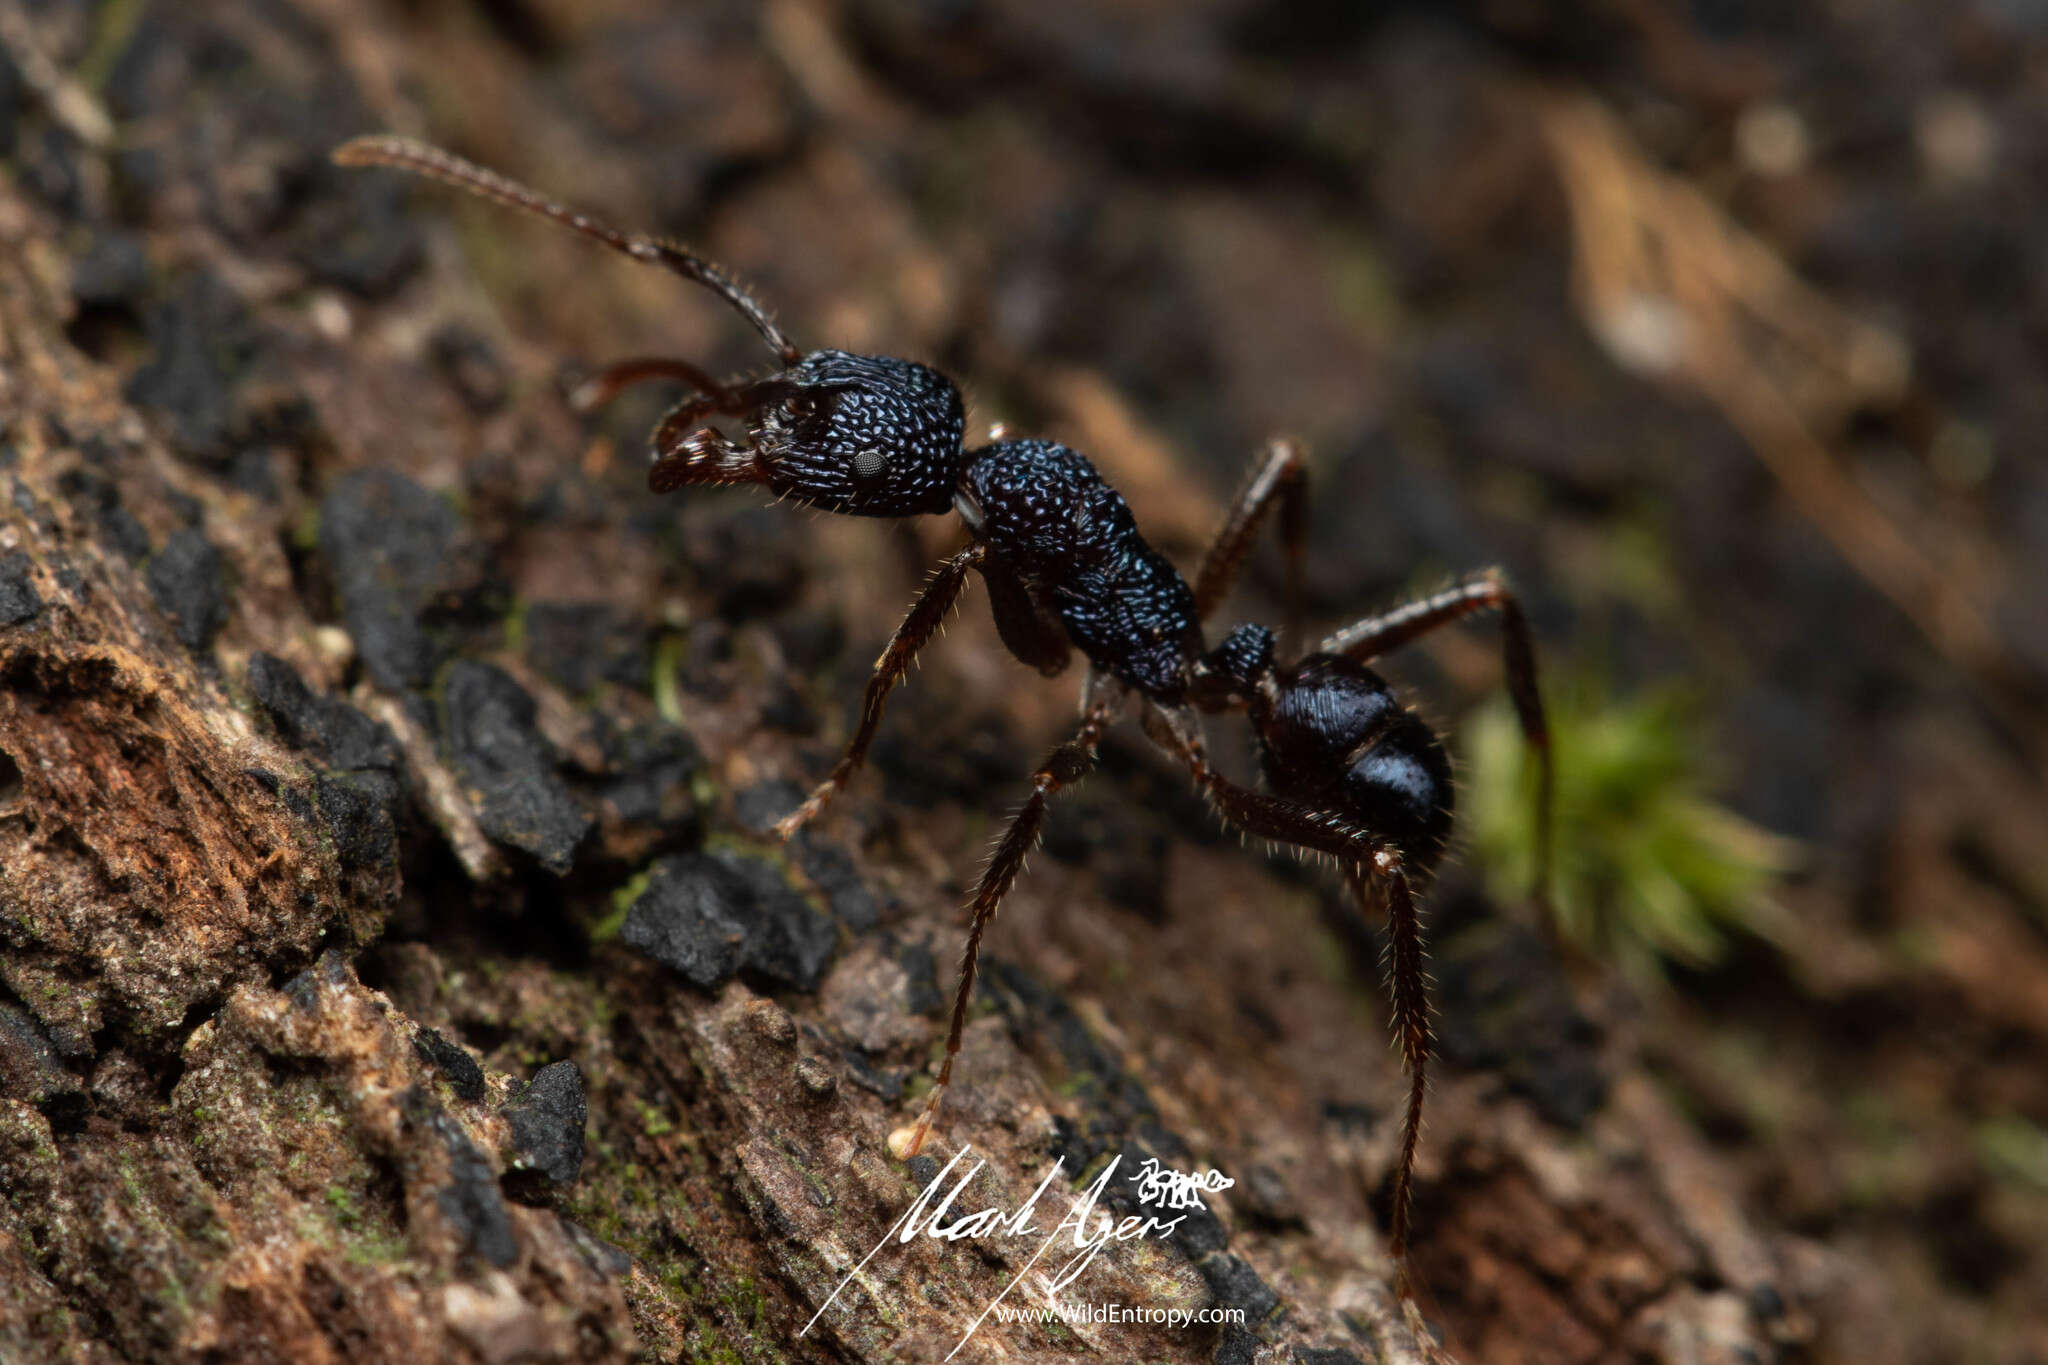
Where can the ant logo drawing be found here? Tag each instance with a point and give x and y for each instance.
(1350, 772)
(1171, 1189)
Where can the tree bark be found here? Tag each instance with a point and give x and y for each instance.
(362, 759)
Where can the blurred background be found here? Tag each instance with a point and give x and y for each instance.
(1720, 325)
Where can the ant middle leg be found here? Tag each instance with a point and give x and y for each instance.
(1067, 765)
(923, 622)
(1279, 480)
(1376, 635)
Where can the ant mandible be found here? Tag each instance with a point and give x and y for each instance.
(1350, 772)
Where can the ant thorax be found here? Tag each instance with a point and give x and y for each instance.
(1070, 538)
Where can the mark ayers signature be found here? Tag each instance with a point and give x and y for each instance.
(1092, 1229)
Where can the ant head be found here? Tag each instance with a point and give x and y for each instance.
(866, 434)
(1235, 672)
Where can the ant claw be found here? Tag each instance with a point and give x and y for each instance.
(788, 825)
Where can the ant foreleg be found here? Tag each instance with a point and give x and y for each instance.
(597, 389)
(1278, 479)
(1068, 764)
(923, 622)
(1377, 635)
(685, 453)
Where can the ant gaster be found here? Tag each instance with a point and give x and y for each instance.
(1349, 771)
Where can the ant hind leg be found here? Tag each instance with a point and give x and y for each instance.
(1409, 986)
(1376, 635)
(1363, 855)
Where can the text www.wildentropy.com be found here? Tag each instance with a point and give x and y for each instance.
(1119, 1312)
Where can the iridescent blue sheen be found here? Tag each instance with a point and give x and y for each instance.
(1337, 738)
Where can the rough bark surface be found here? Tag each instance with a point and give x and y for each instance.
(372, 746)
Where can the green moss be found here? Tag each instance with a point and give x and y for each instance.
(747, 1302)
(113, 27)
(131, 1182)
(306, 531)
(761, 851)
(2014, 1150)
(1075, 1083)
(653, 1121)
(1916, 946)
(1093, 1169)
(1365, 291)
(342, 1200)
(606, 929)
(1059, 1336)
(1647, 867)
(820, 1194)
(636, 1210)
(515, 627)
(382, 1246)
(667, 685)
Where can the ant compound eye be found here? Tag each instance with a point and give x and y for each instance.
(869, 466)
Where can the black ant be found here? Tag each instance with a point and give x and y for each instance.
(1350, 772)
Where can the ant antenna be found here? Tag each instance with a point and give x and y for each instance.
(404, 154)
